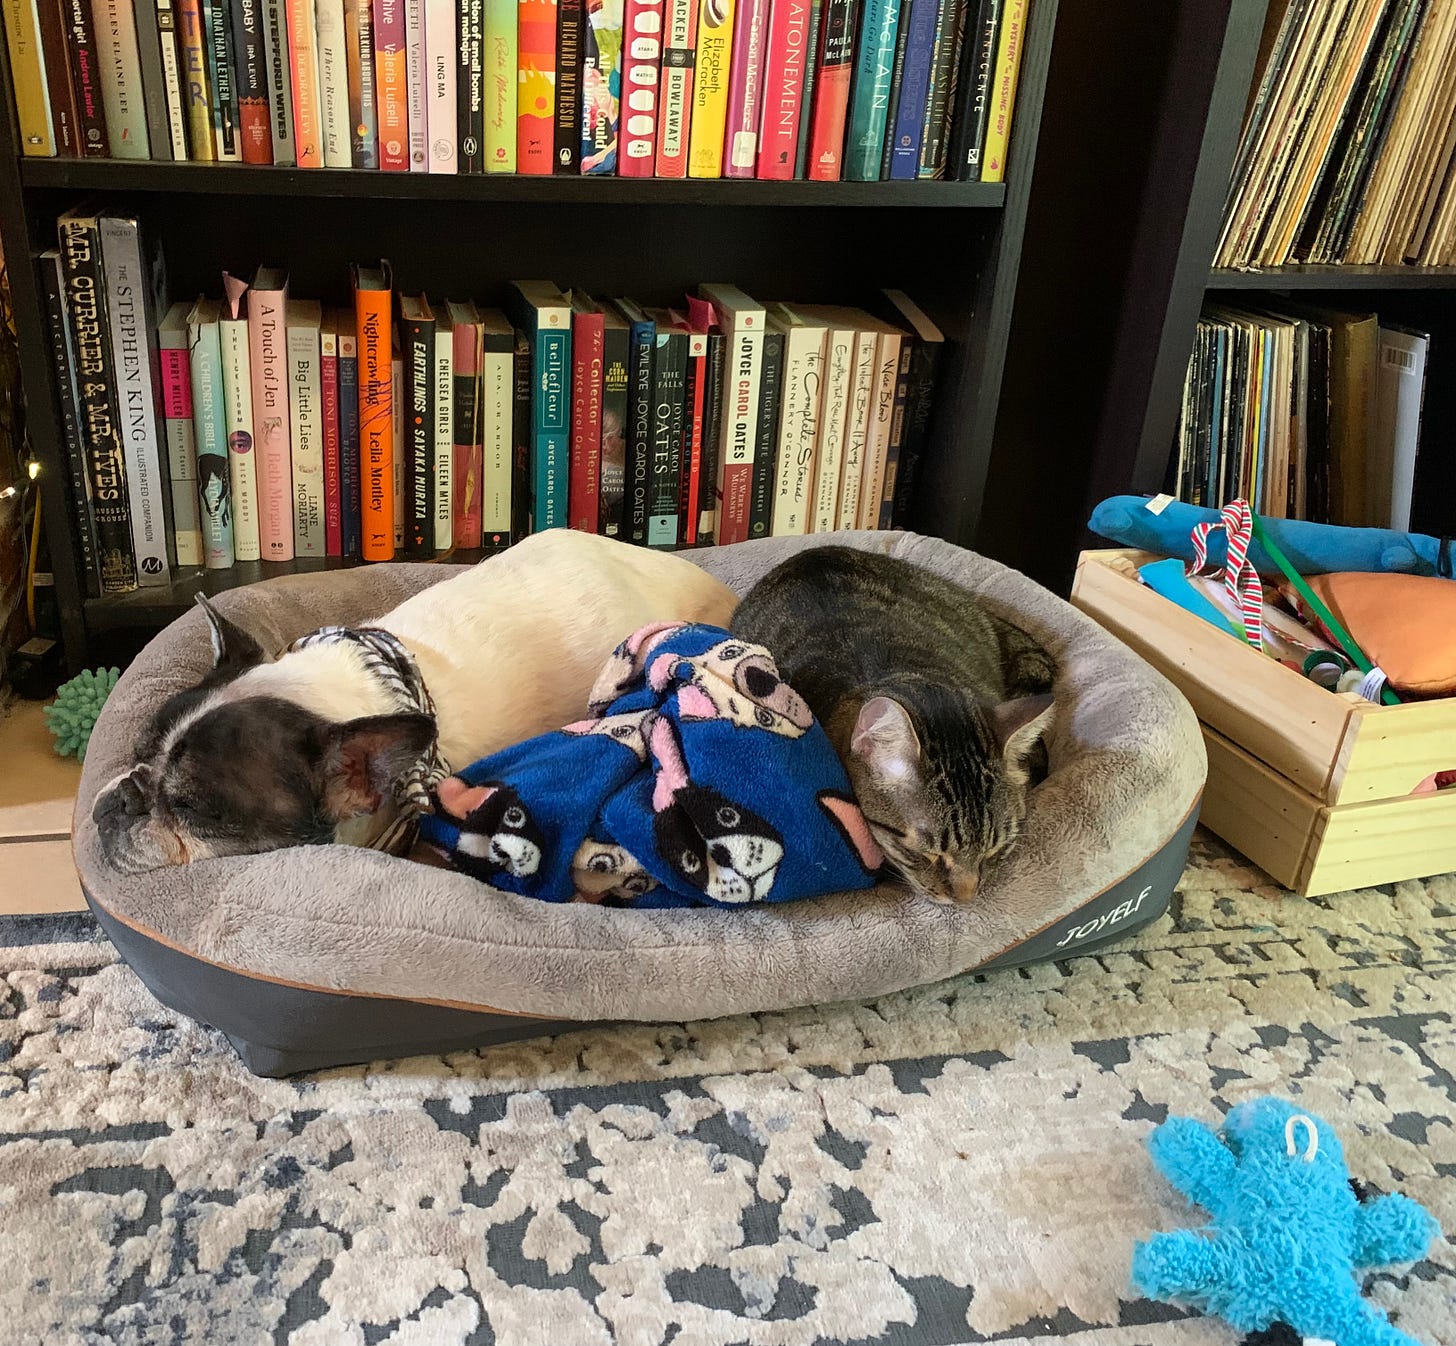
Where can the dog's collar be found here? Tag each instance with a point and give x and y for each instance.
(393, 668)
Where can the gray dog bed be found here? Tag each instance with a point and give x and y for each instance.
(327, 955)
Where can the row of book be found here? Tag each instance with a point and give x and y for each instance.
(1306, 412)
(775, 89)
(1349, 150)
(262, 426)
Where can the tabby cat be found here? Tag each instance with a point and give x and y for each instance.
(935, 705)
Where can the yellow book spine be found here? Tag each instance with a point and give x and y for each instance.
(32, 106)
(1003, 86)
(710, 89)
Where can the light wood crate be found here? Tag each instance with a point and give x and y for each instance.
(1313, 786)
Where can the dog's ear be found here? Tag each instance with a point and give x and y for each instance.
(233, 649)
(361, 759)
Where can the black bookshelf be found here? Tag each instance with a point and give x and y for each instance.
(1352, 277)
(954, 247)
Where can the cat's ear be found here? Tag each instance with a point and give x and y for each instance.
(361, 759)
(233, 649)
(1019, 726)
(884, 739)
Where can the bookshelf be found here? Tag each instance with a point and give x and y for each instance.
(1420, 296)
(954, 247)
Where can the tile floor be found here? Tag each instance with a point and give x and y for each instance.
(37, 793)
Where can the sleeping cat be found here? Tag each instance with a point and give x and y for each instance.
(935, 705)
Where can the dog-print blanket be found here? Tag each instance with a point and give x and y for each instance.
(700, 778)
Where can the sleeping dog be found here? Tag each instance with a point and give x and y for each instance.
(322, 743)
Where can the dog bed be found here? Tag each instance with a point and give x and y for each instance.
(322, 956)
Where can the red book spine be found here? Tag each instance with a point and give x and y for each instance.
(584, 488)
(642, 72)
(329, 400)
(831, 90)
(536, 86)
(675, 90)
(783, 89)
(693, 447)
(469, 452)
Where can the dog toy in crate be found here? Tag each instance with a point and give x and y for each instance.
(72, 715)
(1313, 548)
(1290, 1229)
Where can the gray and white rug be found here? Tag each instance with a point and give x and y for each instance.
(960, 1163)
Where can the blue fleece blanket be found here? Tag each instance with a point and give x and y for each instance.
(700, 778)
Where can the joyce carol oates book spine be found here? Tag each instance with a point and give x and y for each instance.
(86, 78)
(536, 87)
(237, 414)
(770, 401)
(467, 484)
(255, 130)
(544, 313)
(329, 409)
(675, 88)
(305, 322)
(348, 434)
(53, 282)
(391, 86)
(831, 90)
(443, 373)
(601, 81)
(641, 83)
(570, 18)
(359, 64)
(503, 493)
(783, 89)
(642, 347)
(372, 304)
(870, 92)
(616, 384)
(29, 79)
(588, 343)
(280, 80)
(742, 323)
(745, 89)
(417, 332)
(214, 477)
(669, 386)
(176, 376)
(272, 432)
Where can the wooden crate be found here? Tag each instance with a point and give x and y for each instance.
(1313, 786)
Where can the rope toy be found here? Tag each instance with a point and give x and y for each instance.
(72, 715)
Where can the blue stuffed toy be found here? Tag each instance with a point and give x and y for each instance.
(1312, 548)
(1290, 1229)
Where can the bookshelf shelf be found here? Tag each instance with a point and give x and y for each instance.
(1335, 278)
(238, 180)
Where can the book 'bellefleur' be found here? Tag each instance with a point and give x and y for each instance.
(773, 89)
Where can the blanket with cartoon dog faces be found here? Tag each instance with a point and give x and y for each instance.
(700, 778)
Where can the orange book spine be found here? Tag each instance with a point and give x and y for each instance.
(536, 86)
(376, 423)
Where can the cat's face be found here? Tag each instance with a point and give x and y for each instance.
(944, 790)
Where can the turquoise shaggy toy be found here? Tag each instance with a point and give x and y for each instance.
(1290, 1231)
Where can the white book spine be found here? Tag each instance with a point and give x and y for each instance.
(237, 410)
(833, 413)
(444, 437)
(136, 394)
(441, 60)
(418, 85)
(306, 414)
(182, 457)
(497, 391)
(121, 80)
(397, 408)
(882, 412)
(176, 86)
(334, 84)
(1399, 394)
(280, 81)
(856, 430)
(798, 430)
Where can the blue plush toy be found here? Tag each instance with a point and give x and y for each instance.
(1289, 1232)
(1312, 548)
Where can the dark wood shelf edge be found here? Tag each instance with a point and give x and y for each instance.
(1335, 277)
(238, 179)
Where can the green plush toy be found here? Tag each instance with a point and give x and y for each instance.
(72, 715)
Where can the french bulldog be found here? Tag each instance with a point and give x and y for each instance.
(307, 746)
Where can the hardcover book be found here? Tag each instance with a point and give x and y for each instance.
(642, 348)
(601, 79)
(870, 94)
(305, 406)
(348, 433)
(664, 468)
(882, 413)
(713, 414)
(130, 276)
(174, 366)
(642, 63)
(742, 324)
(329, 408)
(745, 89)
(504, 492)
(798, 437)
(770, 397)
(544, 314)
(536, 87)
(372, 306)
(784, 70)
(80, 248)
(834, 405)
(237, 412)
(588, 344)
(616, 383)
(695, 391)
(214, 477)
(711, 73)
(417, 343)
(397, 406)
(675, 89)
(272, 434)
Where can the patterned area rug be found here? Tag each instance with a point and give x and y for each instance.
(961, 1163)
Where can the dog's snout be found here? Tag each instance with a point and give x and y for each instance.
(107, 803)
(124, 796)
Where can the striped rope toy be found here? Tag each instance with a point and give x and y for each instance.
(1240, 578)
